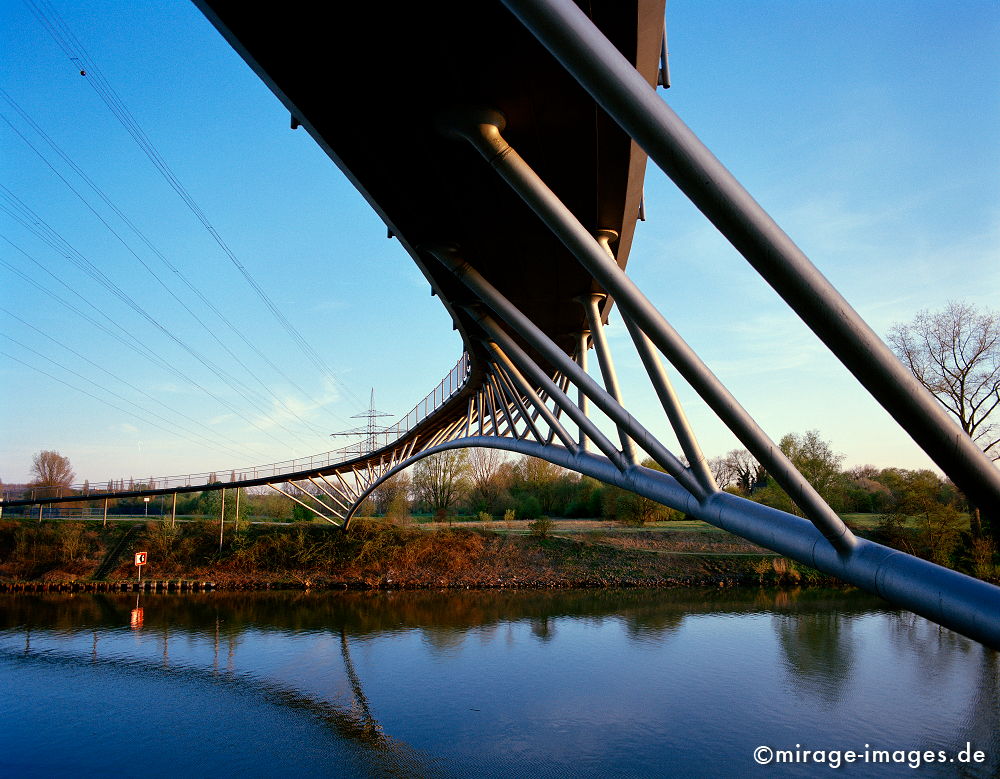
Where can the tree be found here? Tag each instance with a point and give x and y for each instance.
(955, 353)
(923, 495)
(741, 467)
(51, 469)
(489, 480)
(818, 464)
(441, 480)
(395, 489)
(531, 477)
(814, 459)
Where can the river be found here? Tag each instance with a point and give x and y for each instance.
(490, 683)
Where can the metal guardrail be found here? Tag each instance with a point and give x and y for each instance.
(437, 397)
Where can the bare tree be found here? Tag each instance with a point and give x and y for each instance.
(441, 480)
(743, 468)
(722, 472)
(955, 353)
(395, 489)
(488, 478)
(51, 469)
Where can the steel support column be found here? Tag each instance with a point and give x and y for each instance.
(304, 505)
(672, 406)
(541, 409)
(508, 386)
(581, 396)
(518, 356)
(606, 362)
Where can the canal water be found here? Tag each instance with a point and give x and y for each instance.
(516, 684)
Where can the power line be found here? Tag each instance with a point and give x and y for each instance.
(30, 220)
(124, 381)
(156, 276)
(130, 341)
(75, 51)
(91, 395)
(177, 272)
(123, 335)
(120, 397)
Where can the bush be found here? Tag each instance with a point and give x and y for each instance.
(938, 529)
(398, 511)
(541, 527)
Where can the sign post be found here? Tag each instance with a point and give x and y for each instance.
(140, 560)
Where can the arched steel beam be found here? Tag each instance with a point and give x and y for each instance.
(954, 600)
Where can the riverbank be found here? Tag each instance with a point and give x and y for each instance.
(76, 556)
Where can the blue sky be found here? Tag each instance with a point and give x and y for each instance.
(868, 130)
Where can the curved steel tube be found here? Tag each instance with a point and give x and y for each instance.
(954, 600)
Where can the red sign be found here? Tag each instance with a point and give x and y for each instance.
(140, 558)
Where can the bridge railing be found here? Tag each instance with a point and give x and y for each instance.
(437, 397)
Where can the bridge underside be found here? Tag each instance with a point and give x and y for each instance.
(380, 93)
(495, 140)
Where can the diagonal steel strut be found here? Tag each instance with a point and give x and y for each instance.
(483, 131)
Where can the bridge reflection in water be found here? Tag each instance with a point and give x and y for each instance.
(433, 683)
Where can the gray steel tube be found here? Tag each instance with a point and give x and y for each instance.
(581, 396)
(509, 349)
(548, 416)
(954, 600)
(619, 88)
(607, 363)
(506, 382)
(484, 133)
(672, 406)
(531, 333)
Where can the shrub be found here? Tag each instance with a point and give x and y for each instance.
(72, 539)
(785, 571)
(762, 568)
(398, 511)
(939, 531)
(541, 527)
(891, 531)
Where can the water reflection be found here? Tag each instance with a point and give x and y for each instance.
(581, 677)
(644, 612)
(352, 722)
(818, 651)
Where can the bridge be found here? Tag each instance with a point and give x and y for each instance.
(505, 147)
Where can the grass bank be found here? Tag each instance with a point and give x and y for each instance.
(377, 554)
